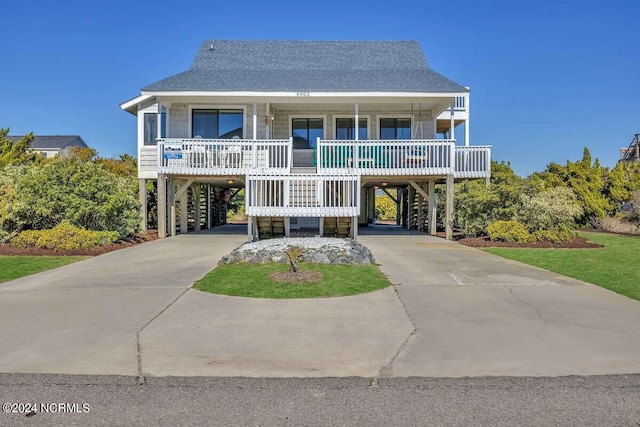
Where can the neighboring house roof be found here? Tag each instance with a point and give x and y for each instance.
(53, 142)
(319, 66)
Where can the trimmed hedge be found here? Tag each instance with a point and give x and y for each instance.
(64, 236)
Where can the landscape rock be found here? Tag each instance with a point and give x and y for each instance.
(322, 250)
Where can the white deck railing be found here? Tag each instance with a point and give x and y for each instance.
(418, 157)
(223, 156)
(303, 195)
(460, 103)
(472, 162)
(384, 157)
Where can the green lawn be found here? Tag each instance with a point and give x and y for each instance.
(12, 267)
(615, 267)
(252, 280)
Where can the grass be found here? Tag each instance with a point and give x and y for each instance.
(252, 280)
(13, 267)
(614, 267)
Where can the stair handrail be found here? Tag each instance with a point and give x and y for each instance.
(628, 152)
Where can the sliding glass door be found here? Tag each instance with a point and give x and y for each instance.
(306, 131)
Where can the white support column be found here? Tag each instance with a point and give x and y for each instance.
(255, 121)
(171, 201)
(321, 226)
(267, 120)
(162, 206)
(448, 212)
(354, 228)
(142, 190)
(159, 121)
(208, 198)
(184, 218)
(172, 220)
(410, 198)
(466, 122)
(398, 205)
(433, 209)
(421, 197)
(196, 207)
(287, 226)
(249, 228)
(453, 122)
(357, 121)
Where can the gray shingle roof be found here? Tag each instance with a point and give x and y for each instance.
(53, 141)
(320, 66)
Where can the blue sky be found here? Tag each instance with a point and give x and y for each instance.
(547, 77)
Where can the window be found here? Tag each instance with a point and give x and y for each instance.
(151, 127)
(216, 124)
(345, 128)
(395, 128)
(306, 132)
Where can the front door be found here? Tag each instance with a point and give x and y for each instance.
(305, 132)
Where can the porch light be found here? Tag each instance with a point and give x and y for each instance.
(229, 181)
(384, 184)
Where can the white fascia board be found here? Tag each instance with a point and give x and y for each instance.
(312, 94)
(132, 103)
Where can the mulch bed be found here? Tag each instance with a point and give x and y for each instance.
(484, 242)
(299, 277)
(136, 239)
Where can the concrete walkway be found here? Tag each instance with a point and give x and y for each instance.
(454, 311)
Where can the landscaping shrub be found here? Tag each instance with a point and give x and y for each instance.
(64, 236)
(509, 231)
(551, 214)
(586, 179)
(27, 239)
(476, 205)
(83, 193)
(556, 235)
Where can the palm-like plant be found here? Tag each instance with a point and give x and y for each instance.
(293, 255)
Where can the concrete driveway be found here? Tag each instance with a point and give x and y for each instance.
(454, 311)
(479, 314)
(84, 318)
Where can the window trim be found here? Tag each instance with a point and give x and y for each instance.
(192, 107)
(144, 127)
(153, 109)
(308, 116)
(351, 116)
(394, 116)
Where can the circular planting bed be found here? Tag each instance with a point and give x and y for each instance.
(327, 267)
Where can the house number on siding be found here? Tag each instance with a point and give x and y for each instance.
(302, 93)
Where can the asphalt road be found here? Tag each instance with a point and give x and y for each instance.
(177, 401)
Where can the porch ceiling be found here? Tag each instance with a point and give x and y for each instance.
(445, 125)
(349, 106)
(221, 181)
(436, 103)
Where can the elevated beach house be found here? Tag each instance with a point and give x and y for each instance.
(311, 130)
